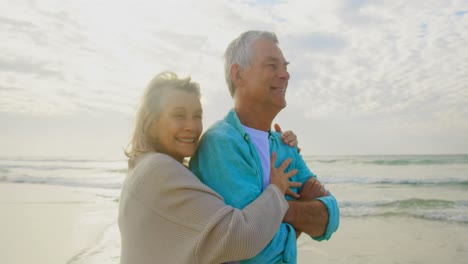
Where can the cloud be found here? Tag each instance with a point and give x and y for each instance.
(386, 69)
(14, 25)
(368, 65)
(314, 42)
(28, 66)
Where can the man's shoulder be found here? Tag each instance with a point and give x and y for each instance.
(275, 135)
(277, 145)
(221, 129)
(277, 141)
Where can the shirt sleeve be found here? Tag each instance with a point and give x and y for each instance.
(333, 216)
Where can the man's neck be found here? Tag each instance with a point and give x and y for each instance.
(255, 117)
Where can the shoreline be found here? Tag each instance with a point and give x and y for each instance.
(58, 224)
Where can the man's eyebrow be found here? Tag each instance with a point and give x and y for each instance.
(270, 58)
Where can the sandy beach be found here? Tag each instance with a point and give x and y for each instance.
(389, 240)
(57, 224)
(49, 224)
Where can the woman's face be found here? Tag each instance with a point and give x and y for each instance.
(179, 126)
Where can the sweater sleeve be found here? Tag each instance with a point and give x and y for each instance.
(241, 234)
(223, 233)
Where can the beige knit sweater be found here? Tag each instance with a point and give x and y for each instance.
(167, 216)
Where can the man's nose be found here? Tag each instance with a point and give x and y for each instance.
(284, 74)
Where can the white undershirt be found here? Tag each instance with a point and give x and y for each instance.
(260, 140)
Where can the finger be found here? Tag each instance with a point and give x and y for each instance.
(273, 160)
(290, 134)
(313, 182)
(292, 194)
(277, 127)
(314, 185)
(285, 164)
(324, 191)
(287, 134)
(291, 173)
(293, 143)
(289, 138)
(294, 184)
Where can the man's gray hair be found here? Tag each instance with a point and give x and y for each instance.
(240, 51)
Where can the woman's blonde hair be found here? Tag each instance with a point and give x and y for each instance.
(151, 106)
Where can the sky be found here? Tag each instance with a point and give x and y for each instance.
(367, 77)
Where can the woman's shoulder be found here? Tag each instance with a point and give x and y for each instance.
(151, 157)
(153, 160)
(158, 175)
(150, 168)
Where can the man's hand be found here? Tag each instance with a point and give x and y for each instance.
(307, 214)
(312, 189)
(310, 217)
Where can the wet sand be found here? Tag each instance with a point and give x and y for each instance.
(47, 224)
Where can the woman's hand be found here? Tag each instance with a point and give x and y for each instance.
(281, 179)
(288, 137)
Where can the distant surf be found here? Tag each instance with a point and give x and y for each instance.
(431, 187)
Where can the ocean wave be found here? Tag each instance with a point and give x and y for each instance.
(47, 167)
(429, 209)
(421, 203)
(391, 160)
(457, 182)
(115, 167)
(52, 159)
(86, 173)
(95, 182)
(406, 203)
(7, 168)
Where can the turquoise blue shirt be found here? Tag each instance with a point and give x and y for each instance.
(228, 162)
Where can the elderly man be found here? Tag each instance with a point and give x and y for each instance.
(234, 154)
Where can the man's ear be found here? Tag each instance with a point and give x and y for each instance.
(236, 74)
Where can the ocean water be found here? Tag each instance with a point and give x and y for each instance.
(431, 187)
(423, 187)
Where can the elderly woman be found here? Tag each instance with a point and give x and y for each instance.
(166, 214)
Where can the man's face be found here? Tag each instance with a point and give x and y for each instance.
(266, 80)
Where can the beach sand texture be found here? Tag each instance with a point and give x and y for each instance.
(50, 224)
(391, 213)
